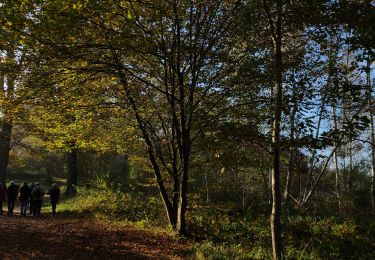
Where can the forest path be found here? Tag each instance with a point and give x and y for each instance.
(62, 237)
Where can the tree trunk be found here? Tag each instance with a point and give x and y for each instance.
(150, 151)
(181, 219)
(72, 160)
(370, 100)
(335, 159)
(6, 120)
(290, 165)
(291, 149)
(276, 194)
(350, 176)
(315, 184)
(5, 136)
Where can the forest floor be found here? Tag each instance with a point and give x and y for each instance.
(66, 237)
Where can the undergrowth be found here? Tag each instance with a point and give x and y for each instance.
(220, 234)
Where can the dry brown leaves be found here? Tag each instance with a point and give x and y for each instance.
(68, 238)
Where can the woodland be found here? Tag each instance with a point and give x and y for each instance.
(239, 129)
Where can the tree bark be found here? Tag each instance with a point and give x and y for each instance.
(181, 220)
(290, 165)
(335, 159)
(370, 101)
(5, 136)
(275, 145)
(291, 149)
(150, 151)
(6, 120)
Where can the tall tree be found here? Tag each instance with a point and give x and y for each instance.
(164, 62)
(275, 25)
(7, 84)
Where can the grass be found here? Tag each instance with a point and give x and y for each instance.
(219, 235)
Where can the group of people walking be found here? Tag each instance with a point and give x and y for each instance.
(30, 197)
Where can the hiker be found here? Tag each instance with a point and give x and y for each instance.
(2, 197)
(25, 194)
(37, 194)
(12, 196)
(54, 194)
(31, 199)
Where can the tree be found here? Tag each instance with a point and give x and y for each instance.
(7, 88)
(163, 73)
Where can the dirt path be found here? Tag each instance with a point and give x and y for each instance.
(68, 238)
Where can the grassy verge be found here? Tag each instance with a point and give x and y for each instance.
(304, 236)
(219, 235)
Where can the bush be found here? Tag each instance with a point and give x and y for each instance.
(304, 237)
(109, 202)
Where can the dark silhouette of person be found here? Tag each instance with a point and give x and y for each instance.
(3, 190)
(12, 196)
(25, 194)
(54, 194)
(37, 194)
(31, 204)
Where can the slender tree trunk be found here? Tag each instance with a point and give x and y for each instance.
(312, 159)
(291, 149)
(72, 160)
(276, 193)
(344, 178)
(370, 101)
(150, 149)
(350, 177)
(175, 197)
(289, 172)
(335, 159)
(315, 185)
(181, 220)
(270, 165)
(346, 173)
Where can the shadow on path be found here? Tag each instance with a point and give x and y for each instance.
(61, 237)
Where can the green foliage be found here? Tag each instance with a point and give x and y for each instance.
(331, 237)
(105, 201)
(305, 237)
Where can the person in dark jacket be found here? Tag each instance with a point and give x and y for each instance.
(54, 194)
(37, 195)
(2, 197)
(31, 198)
(12, 196)
(25, 194)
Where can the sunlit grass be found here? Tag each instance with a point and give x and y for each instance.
(224, 237)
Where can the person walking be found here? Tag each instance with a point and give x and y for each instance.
(31, 202)
(25, 194)
(12, 196)
(2, 197)
(54, 194)
(37, 195)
